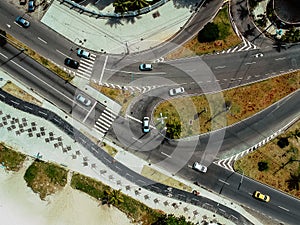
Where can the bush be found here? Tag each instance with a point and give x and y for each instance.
(283, 142)
(209, 33)
(262, 166)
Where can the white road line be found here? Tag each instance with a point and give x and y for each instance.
(129, 72)
(45, 42)
(51, 87)
(87, 115)
(102, 72)
(134, 138)
(62, 53)
(135, 119)
(3, 55)
(224, 182)
(166, 154)
(25, 106)
(283, 208)
(220, 67)
(282, 58)
(17, 103)
(2, 95)
(248, 63)
(41, 112)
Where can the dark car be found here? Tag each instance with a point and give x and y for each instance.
(71, 63)
(23, 2)
(31, 6)
(21, 21)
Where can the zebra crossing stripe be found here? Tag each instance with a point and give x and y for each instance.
(102, 118)
(110, 117)
(104, 123)
(82, 76)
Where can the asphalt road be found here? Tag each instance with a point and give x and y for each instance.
(238, 67)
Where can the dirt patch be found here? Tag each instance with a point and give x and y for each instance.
(14, 90)
(164, 179)
(123, 97)
(276, 166)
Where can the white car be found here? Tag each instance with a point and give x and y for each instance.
(146, 127)
(145, 67)
(201, 168)
(82, 53)
(176, 91)
(83, 100)
(258, 55)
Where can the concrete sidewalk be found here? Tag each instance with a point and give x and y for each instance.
(116, 36)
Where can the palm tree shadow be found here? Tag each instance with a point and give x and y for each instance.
(114, 22)
(243, 12)
(132, 19)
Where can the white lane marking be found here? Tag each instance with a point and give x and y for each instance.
(42, 113)
(248, 63)
(283, 208)
(166, 154)
(2, 95)
(17, 103)
(8, 25)
(282, 58)
(224, 182)
(3, 55)
(133, 118)
(18, 24)
(134, 138)
(102, 72)
(42, 40)
(87, 115)
(129, 72)
(41, 81)
(62, 53)
(220, 67)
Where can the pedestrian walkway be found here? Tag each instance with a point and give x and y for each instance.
(105, 121)
(117, 36)
(86, 67)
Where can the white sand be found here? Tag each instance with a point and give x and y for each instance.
(19, 205)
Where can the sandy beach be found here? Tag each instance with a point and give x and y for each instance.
(19, 205)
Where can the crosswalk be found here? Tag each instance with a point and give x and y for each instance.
(86, 67)
(105, 120)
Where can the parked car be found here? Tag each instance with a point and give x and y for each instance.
(197, 166)
(31, 6)
(21, 21)
(82, 53)
(80, 98)
(145, 67)
(71, 63)
(146, 126)
(176, 91)
(258, 195)
(23, 2)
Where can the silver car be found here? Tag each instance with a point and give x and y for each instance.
(145, 67)
(81, 99)
(199, 167)
(176, 91)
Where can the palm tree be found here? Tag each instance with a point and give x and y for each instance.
(139, 4)
(113, 197)
(293, 182)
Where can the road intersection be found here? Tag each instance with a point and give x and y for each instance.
(228, 70)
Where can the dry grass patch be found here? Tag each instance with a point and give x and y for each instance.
(45, 178)
(279, 163)
(193, 47)
(123, 97)
(10, 159)
(200, 114)
(164, 179)
(14, 90)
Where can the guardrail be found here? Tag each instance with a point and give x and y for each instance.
(114, 15)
